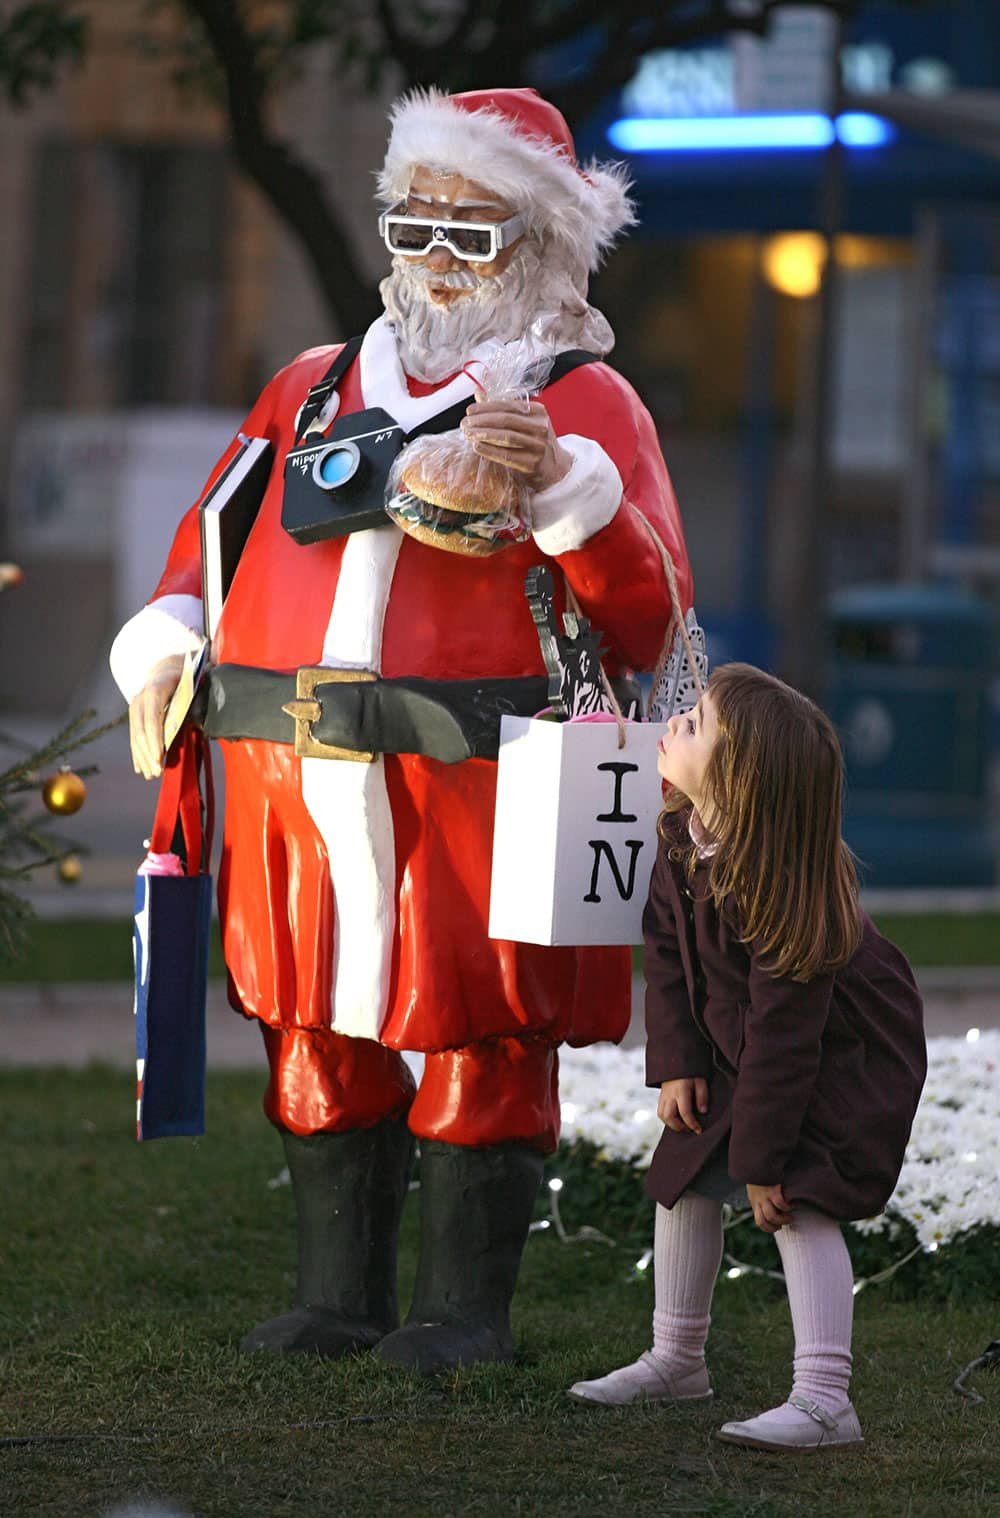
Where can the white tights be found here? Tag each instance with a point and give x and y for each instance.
(687, 1254)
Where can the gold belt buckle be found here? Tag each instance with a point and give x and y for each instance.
(306, 709)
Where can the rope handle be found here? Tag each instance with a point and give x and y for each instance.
(676, 620)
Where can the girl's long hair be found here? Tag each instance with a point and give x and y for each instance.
(773, 787)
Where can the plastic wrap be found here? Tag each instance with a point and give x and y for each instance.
(443, 493)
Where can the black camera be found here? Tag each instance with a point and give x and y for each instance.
(335, 484)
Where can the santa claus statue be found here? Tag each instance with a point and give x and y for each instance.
(354, 882)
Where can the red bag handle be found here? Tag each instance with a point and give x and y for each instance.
(180, 800)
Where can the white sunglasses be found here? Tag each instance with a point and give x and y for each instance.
(477, 242)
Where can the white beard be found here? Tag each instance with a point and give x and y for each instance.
(535, 293)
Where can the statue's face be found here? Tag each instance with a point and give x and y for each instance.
(452, 197)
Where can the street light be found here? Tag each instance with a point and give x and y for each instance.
(793, 263)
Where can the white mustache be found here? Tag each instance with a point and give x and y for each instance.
(435, 339)
(454, 279)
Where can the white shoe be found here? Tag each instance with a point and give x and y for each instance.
(819, 1430)
(646, 1380)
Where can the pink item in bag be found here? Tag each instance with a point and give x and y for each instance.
(160, 864)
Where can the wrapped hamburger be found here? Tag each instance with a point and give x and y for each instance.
(442, 493)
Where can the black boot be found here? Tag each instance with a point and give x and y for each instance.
(349, 1193)
(475, 1210)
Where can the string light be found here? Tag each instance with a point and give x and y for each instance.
(582, 1235)
(739, 1268)
(890, 1270)
(623, 1141)
(731, 1218)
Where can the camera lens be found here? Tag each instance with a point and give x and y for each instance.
(336, 465)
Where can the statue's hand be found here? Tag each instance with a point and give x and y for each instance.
(520, 435)
(145, 716)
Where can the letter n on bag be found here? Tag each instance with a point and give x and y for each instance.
(575, 832)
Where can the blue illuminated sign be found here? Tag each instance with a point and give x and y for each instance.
(676, 134)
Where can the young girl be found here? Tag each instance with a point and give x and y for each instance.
(785, 1035)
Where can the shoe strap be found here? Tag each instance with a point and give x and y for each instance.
(806, 1405)
(666, 1379)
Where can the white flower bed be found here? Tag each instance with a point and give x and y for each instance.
(950, 1180)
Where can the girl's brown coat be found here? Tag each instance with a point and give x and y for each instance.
(814, 1084)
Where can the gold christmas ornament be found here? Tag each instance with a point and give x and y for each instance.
(64, 793)
(70, 869)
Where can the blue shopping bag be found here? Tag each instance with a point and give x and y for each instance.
(173, 914)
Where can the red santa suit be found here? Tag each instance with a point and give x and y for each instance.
(354, 896)
(419, 971)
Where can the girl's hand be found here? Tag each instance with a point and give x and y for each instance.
(681, 1101)
(770, 1210)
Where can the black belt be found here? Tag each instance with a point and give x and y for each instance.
(353, 714)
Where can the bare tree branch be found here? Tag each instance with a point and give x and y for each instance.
(617, 62)
(293, 188)
(569, 23)
(637, 26)
(37, 39)
(466, 19)
(423, 62)
(407, 51)
(40, 35)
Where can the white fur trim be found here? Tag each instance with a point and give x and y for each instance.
(569, 512)
(584, 208)
(353, 637)
(348, 800)
(169, 625)
(349, 804)
(383, 382)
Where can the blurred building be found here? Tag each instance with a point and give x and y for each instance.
(146, 292)
(716, 303)
(833, 423)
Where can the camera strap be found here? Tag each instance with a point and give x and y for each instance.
(318, 394)
(450, 418)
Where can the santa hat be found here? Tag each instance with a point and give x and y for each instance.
(520, 147)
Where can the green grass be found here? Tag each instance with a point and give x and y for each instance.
(100, 949)
(938, 939)
(84, 948)
(131, 1271)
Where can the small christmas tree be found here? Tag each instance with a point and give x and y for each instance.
(27, 842)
